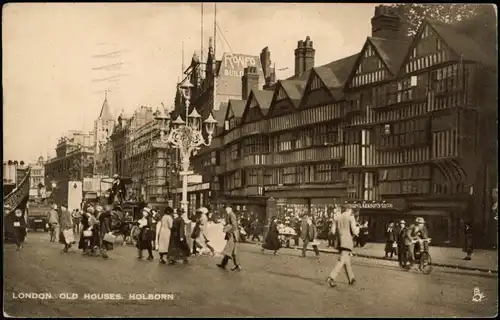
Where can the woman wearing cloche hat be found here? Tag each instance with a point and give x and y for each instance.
(145, 235)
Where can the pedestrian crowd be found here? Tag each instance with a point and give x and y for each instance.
(165, 231)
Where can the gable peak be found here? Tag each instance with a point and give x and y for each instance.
(105, 113)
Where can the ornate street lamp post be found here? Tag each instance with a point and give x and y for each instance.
(187, 136)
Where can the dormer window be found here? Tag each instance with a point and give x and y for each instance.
(226, 125)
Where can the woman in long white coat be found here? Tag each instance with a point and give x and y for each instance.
(163, 234)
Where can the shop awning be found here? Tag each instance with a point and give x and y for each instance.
(441, 213)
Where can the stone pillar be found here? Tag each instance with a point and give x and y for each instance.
(271, 210)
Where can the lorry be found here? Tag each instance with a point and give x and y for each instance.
(37, 216)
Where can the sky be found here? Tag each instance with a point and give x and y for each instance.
(52, 54)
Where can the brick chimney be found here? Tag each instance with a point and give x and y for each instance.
(309, 54)
(265, 61)
(387, 23)
(249, 81)
(299, 58)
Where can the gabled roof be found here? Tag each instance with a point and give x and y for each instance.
(236, 107)
(301, 77)
(335, 74)
(294, 89)
(264, 98)
(378, 53)
(461, 44)
(220, 115)
(339, 68)
(391, 51)
(105, 109)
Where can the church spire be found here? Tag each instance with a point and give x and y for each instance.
(105, 110)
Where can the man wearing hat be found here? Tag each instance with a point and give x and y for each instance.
(401, 232)
(415, 231)
(118, 191)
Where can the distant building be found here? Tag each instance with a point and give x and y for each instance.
(74, 160)
(37, 178)
(139, 155)
(103, 128)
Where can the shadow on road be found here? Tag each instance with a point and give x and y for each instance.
(471, 274)
(297, 276)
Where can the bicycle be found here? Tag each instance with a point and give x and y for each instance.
(421, 256)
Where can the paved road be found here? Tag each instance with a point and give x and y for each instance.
(481, 259)
(271, 286)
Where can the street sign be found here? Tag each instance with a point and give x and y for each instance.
(186, 173)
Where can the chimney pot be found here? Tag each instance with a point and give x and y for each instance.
(265, 61)
(386, 23)
(309, 54)
(249, 81)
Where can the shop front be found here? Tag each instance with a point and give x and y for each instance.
(198, 196)
(253, 206)
(442, 218)
(318, 200)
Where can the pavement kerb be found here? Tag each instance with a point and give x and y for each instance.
(368, 256)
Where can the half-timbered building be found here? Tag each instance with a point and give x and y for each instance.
(404, 126)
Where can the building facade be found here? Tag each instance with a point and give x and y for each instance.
(139, 154)
(396, 128)
(37, 178)
(74, 161)
(103, 128)
(221, 79)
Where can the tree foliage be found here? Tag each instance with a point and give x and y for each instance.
(414, 13)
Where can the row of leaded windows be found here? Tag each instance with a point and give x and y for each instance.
(414, 155)
(318, 173)
(444, 144)
(233, 180)
(405, 187)
(412, 173)
(255, 145)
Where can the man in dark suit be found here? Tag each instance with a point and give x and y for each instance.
(468, 247)
(309, 234)
(118, 191)
(401, 232)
